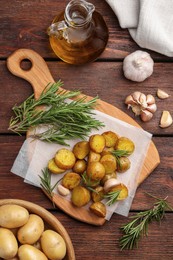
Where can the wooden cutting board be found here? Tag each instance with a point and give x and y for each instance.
(39, 76)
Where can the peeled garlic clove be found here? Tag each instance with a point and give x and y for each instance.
(62, 190)
(152, 108)
(162, 94)
(166, 119)
(146, 115)
(136, 96)
(150, 99)
(109, 184)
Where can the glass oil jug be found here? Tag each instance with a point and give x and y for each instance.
(79, 34)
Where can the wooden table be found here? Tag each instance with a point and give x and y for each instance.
(23, 25)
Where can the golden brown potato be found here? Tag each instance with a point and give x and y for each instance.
(99, 209)
(93, 157)
(81, 149)
(65, 159)
(111, 138)
(123, 191)
(123, 164)
(80, 166)
(71, 180)
(108, 176)
(97, 143)
(125, 144)
(54, 168)
(88, 182)
(109, 162)
(107, 150)
(80, 196)
(97, 194)
(95, 170)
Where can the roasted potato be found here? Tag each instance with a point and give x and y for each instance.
(99, 209)
(80, 166)
(80, 196)
(93, 157)
(123, 191)
(123, 164)
(65, 159)
(97, 143)
(71, 180)
(54, 168)
(97, 194)
(109, 162)
(125, 144)
(111, 138)
(81, 149)
(95, 170)
(107, 150)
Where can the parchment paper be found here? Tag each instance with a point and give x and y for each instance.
(34, 156)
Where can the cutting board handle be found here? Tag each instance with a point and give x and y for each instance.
(38, 75)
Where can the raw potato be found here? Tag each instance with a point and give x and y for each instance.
(71, 180)
(123, 191)
(125, 144)
(53, 245)
(28, 252)
(123, 164)
(99, 209)
(13, 216)
(95, 171)
(65, 159)
(54, 168)
(97, 143)
(80, 166)
(80, 196)
(31, 231)
(8, 244)
(93, 157)
(81, 149)
(111, 138)
(109, 162)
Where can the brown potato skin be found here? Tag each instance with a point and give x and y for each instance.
(107, 150)
(80, 196)
(98, 194)
(109, 162)
(71, 180)
(65, 159)
(81, 149)
(95, 171)
(97, 143)
(125, 144)
(80, 166)
(99, 209)
(123, 165)
(93, 157)
(111, 138)
(123, 193)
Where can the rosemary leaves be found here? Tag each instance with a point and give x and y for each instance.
(138, 227)
(62, 120)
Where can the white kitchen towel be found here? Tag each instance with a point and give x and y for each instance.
(150, 22)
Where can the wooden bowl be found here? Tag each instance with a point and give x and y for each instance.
(50, 222)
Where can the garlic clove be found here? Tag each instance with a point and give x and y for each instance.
(62, 190)
(152, 108)
(166, 119)
(143, 101)
(150, 99)
(109, 184)
(136, 110)
(162, 94)
(136, 96)
(146, 115)
(129, 101)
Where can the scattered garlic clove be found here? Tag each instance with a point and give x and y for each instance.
(109, 184)
(62, 190)
(162, 94)
(146, 115)
(166, 119)
(138, 66)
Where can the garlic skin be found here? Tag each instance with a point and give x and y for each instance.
(142, 105)
(166, 119)
(138, 66)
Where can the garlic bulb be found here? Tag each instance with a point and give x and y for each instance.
(138, 66)
(141, 104)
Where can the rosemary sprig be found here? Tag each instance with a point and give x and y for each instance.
(138, 227)
(46, 182)
(112, 197)
(89, 183)
(118, 154)
(62, 120)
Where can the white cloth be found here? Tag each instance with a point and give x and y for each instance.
(150, 22)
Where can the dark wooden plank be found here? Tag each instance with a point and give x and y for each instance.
(25, 25)
(99, 78)
(159, 183)
(103, 242)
